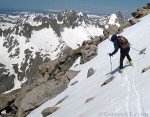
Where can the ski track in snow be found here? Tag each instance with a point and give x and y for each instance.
(135, 106)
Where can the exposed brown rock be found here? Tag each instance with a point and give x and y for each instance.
(140, 13)
(41, 94)
(49, 111)
(145, 69)
(90, 72)
(6, 101)
(133, 21)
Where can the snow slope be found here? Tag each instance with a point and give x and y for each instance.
(126, 95)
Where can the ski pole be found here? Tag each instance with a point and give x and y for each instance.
(137, 50)
(111, 63)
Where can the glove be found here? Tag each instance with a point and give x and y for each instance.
(110, 54)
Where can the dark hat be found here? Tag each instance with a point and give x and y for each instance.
(113, 38)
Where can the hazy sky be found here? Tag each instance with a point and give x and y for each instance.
(94, 6)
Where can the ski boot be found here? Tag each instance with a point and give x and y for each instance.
(131, 63)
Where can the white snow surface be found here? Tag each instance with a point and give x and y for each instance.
(126, 96)
(112, 21)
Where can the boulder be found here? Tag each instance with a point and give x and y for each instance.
(50, 67)
(24, 89)
(142, 51)
(145, 69)
(88, 53)
(6, 100)
(20, 113)
(93, 41)
(90, 72)
(49, 110)
(40, 94)
(71, 74)
(133, 21)
(108, 80)
(6, 79)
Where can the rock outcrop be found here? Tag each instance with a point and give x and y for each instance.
(90, 72)
(141, 11)
(108, 80)
(6, 101)
(146, 69)
(133, 21)
(41, 94)
(49, 110)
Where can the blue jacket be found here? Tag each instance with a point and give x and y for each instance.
(116, 47)
(116, 44)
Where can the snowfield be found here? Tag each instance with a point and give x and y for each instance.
(125, 96)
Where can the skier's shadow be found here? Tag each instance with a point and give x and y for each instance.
(116, 70)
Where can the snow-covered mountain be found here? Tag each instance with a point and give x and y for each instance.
(126, 95)
(29, 39)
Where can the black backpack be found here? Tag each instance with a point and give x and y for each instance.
(123, 42)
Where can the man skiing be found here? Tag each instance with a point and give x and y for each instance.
(124, 45)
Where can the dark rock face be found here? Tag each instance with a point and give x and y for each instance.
(40, 27)
(1, 32)
(10, 43)
(56, 27)
(27, 29)
(7, 31)
(120, 18)
(72, 19)
(6, 79)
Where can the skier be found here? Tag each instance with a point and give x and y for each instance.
(122, 43)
